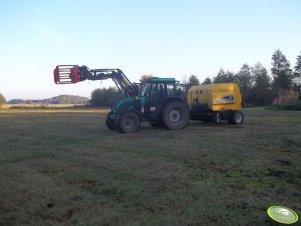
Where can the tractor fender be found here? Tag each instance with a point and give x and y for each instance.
(172, 99)
(127, 105)
(181, 99)
(167, 102)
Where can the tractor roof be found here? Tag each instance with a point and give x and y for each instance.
(156, 79)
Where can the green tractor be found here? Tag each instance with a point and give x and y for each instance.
(156, 100)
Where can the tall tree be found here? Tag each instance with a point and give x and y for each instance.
(207, 81)
(297, 68)
(245, 80)
(297, 76)
(224, 77)
(281, 71)
(261, 91)
(192, 81)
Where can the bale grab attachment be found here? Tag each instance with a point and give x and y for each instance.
(66, 74)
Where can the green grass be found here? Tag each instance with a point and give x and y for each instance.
(64, 167)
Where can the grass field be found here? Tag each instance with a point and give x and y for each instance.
(64, 167)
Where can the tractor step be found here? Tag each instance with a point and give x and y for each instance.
(66, 74)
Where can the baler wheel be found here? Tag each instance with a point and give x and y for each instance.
(236, 117)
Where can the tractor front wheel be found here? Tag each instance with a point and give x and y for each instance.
(110, 122)
(129, 123)
(175, 115)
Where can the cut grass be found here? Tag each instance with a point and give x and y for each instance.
(64, 167)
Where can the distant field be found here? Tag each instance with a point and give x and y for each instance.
(38, 106)
(64, 167)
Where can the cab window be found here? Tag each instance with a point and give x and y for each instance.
(171, 89)
(158, 89)
(145, 90)
(154, 91)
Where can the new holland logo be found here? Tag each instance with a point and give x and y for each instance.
(225, 98)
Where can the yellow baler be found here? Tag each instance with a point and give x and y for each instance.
(215, 102)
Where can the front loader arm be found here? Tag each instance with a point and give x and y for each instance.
(68, 74)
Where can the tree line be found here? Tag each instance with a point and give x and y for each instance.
(258, 87)
(61, 99)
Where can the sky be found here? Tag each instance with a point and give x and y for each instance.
(170, 38)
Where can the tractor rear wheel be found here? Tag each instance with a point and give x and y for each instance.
(129, 123)
(175, 115)
(236, 117)
(110, 122)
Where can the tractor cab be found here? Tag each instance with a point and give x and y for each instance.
(156, 94)
(160, 87)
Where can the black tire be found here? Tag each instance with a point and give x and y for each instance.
(236, 118)
(129, 123)
(175, 115)
(111, 124)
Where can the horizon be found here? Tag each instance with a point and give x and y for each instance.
(41, 99)
(165, 39)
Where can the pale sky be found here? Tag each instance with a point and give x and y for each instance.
(164, 38)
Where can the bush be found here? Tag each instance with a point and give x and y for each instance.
(286, 100)
(286, 97)
(105, 97)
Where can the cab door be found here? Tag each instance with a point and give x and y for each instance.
(156, 98)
